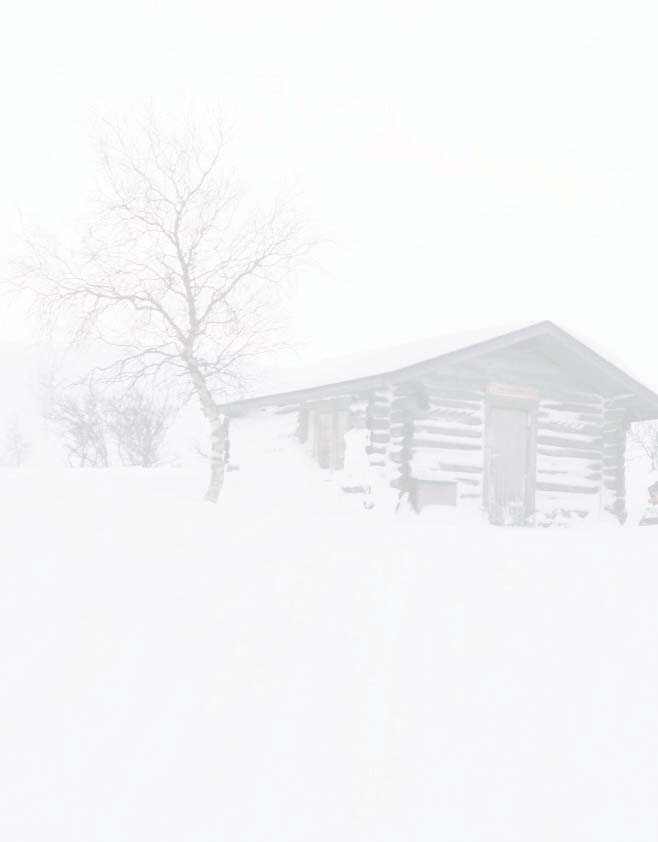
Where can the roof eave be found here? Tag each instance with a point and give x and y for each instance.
(645, 407)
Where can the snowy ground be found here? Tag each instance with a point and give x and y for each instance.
(289, 667)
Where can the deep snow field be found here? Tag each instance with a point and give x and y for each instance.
(288, 666)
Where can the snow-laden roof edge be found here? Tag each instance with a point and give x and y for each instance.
(379, 367)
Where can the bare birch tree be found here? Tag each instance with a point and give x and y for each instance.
(174, 271)
(644, 437)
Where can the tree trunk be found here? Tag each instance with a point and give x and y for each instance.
(217, 448)
(217, 429)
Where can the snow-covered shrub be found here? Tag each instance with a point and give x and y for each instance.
(137, 423)
(15, 447)
(98, 429)
(80, 421)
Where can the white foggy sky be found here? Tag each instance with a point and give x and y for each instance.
(473, 162)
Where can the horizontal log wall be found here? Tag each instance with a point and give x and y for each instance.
(443, 418)
(569, 440)
(446, 433)
(570, 433)
(433, 428)
(614, 457)
(378, 423)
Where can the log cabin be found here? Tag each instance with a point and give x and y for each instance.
(524, 427)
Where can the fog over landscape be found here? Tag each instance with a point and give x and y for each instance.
(329, 421)
(495, 161)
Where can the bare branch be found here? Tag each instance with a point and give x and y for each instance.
(174, 271)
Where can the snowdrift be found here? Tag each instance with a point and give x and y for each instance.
(289, 667)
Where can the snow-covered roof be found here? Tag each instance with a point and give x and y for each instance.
(369, 368)
(371, 363)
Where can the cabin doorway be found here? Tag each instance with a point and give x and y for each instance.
(510, 463)
(327, 429)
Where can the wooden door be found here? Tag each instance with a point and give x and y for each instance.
(323, 432)
(329, 428)
(509, 463)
